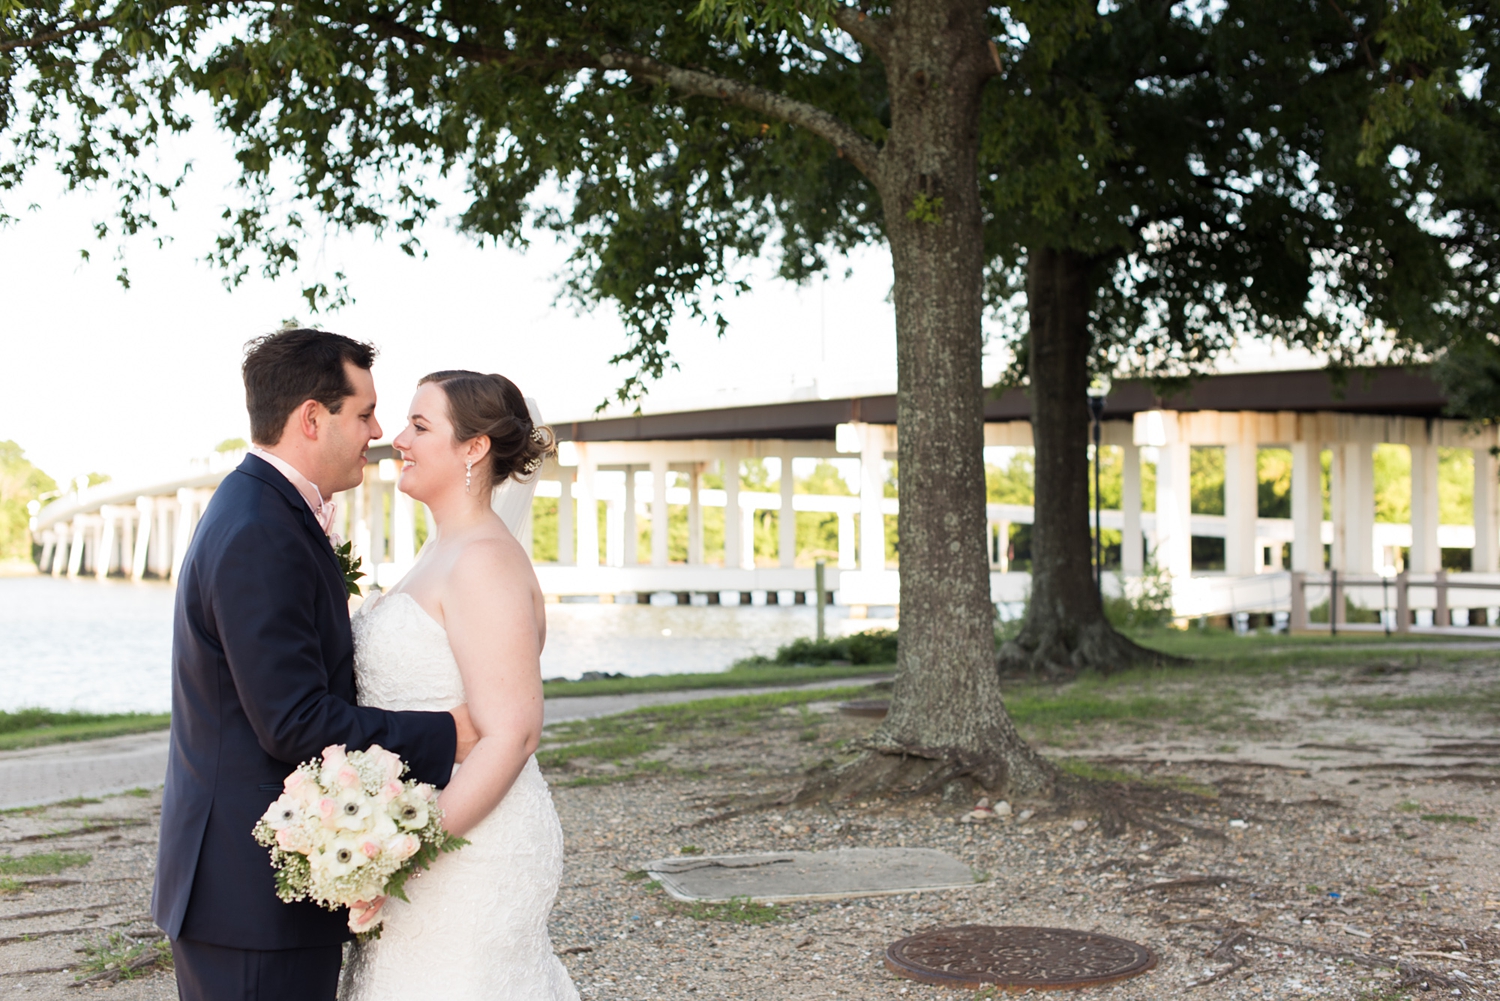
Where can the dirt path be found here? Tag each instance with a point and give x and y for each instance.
(1331, 833)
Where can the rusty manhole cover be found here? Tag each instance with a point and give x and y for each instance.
(1016, 957)
(876, 708)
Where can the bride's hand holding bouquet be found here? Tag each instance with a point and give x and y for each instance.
(347, 831)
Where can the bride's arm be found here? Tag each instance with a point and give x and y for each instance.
(490, 612)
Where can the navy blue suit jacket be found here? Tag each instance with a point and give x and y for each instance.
(262, 679)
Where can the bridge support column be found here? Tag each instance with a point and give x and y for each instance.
(144, 512)
(695, 516)
(733, 526)
(75, 552)
(1132, 559)
(1486, 511)
(786, 519)
(659, 520)
(104, 553)
(630, 538)
(1174, 525)
(1240, 505)
(1307, 507)
(566, 554)
(588, 509)
(871, 493)
(1426, 557)
(847, 559)
(404, 531)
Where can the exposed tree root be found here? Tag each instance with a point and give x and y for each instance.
(1058, 649)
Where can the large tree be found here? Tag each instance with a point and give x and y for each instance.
(1205, 175)
(686, 138)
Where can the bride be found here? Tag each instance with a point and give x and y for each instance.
(467, 624)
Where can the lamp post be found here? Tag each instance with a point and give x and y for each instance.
(1096, 411)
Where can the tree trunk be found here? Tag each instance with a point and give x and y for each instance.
(947, 720)
(1065, 628)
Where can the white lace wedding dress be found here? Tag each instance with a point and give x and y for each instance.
(476, 926)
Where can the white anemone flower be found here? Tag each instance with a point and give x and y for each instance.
(409, 810)
(285, 812)
(351, 811)
(339, 857)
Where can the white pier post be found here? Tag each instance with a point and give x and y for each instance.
(871, 493)
(659, 512)
(565, 551)
(1426, 557)
(1307, 507)
(127, 540)
(1132, 558)
(786, 518)
(1486, 557)
(588, 509)
(630, 536)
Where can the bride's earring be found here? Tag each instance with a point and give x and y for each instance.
(468, 474)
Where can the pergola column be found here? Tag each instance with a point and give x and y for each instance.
(588, 508)
(1174, 509)
(1426, 557)
(659, 512)
(1307, 507)
(1132, 562)
(1486, 558)
(786, 519)
(1241, 505)
(871, 493)
(376, 493)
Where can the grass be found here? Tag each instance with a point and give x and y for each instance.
(121, 957)
(36, 727)
(8, 885)
(42, 863)
(737, 677)
(738, 910)
(1098, 773)
(624, 739)
(1450, 818)
(1485, 701)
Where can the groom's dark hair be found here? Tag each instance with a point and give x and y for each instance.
(285, 369)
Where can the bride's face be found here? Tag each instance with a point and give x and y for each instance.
(432, 461)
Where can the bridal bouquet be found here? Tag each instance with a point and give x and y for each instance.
(347, 828)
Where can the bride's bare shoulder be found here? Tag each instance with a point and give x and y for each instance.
(491, 560)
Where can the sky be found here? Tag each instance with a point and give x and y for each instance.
(136, 383)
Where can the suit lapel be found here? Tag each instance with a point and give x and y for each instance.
(268, 474)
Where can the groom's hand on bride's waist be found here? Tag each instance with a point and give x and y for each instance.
(467, 735)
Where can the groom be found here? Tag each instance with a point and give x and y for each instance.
(263, 678)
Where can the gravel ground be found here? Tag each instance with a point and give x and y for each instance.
(1322, 880)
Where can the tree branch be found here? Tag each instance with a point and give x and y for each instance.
(55, 35)
(871, 32)
(851, 145)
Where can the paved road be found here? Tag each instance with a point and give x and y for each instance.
(100, 767)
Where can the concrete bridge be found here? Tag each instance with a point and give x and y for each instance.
(625, 471)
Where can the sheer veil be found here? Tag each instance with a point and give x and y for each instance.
(512, 499)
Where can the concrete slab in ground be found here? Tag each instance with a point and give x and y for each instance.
(782, 876)
(88, 768)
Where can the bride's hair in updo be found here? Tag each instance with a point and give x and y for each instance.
(492, 405)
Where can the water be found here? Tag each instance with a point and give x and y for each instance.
(105, 646)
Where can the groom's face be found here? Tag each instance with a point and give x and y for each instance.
(349, 433)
